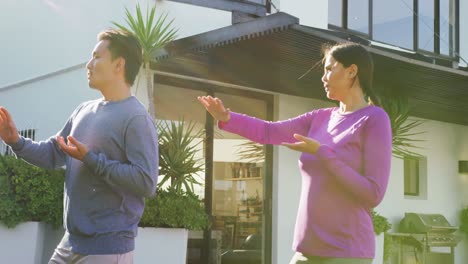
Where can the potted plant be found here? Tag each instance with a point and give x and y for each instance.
(31, 210)
(176, 205)
(381, 226)
(381, 223)
(175, 208)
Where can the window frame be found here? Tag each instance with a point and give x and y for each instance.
(411, 170)
(436, 54)
(418, 173)
(212, 90)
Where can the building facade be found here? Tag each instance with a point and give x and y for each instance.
(254, 61)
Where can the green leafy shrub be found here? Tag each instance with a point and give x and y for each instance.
(29, 193)
(169, 208)
(381, 224)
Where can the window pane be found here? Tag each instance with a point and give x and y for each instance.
(358, 15)
(411, 175)
(176, 103)
(447, 28)
(238, 185)
(238, 189)
(426, 25)
(334, 12)
(393, 22)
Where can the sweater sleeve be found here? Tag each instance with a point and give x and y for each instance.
(377, 150)
(46, 154)
(139, 174)
(266, 132)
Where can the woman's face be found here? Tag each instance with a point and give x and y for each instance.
(336, 79)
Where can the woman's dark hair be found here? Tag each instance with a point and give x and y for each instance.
(351, 53)
(124, 44)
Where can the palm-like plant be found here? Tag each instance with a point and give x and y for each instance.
(153, 34)
(403, 141)
(251, 152)
(178, 144)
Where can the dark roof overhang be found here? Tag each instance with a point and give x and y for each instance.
(273, 53)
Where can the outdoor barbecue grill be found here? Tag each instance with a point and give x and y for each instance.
(425, 239)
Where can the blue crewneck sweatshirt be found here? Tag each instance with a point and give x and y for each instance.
(104, 193)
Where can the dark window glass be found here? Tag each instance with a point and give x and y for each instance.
(411, 175)
(358, 15)
(447, 28)
(334, 12)
(393, 22)
(426, 25)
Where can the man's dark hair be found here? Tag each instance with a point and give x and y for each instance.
(124, 44)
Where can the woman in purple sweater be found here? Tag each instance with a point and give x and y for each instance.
(345, 161)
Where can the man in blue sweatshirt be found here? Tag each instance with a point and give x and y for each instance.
(110, 149)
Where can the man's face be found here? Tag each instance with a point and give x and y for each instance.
(102, 70)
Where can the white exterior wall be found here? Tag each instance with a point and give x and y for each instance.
(46, 105)
(49, 36)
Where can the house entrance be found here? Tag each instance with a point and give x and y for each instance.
(237, 187)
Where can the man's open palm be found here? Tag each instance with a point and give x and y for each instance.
(73, 148)
(8, 131)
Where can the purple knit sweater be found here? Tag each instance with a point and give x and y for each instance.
(341, 183)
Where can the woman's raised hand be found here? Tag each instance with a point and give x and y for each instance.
(215, 107)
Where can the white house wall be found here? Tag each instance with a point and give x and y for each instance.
(41, 37)
(46, 105)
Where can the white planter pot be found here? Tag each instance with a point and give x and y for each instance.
(161, 245)
(22, 244)
(52, 238)
(379, 249)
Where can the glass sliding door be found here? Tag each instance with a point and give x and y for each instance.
(177, 104)
(238, 186)
(234, 187)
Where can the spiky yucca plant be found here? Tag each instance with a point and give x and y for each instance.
(153, 34)
(178, 144)
(251, 152)
(403, 141)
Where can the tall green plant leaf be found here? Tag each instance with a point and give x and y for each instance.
(152, 35)
(404, 143)
(179, 143)
(251, 152)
